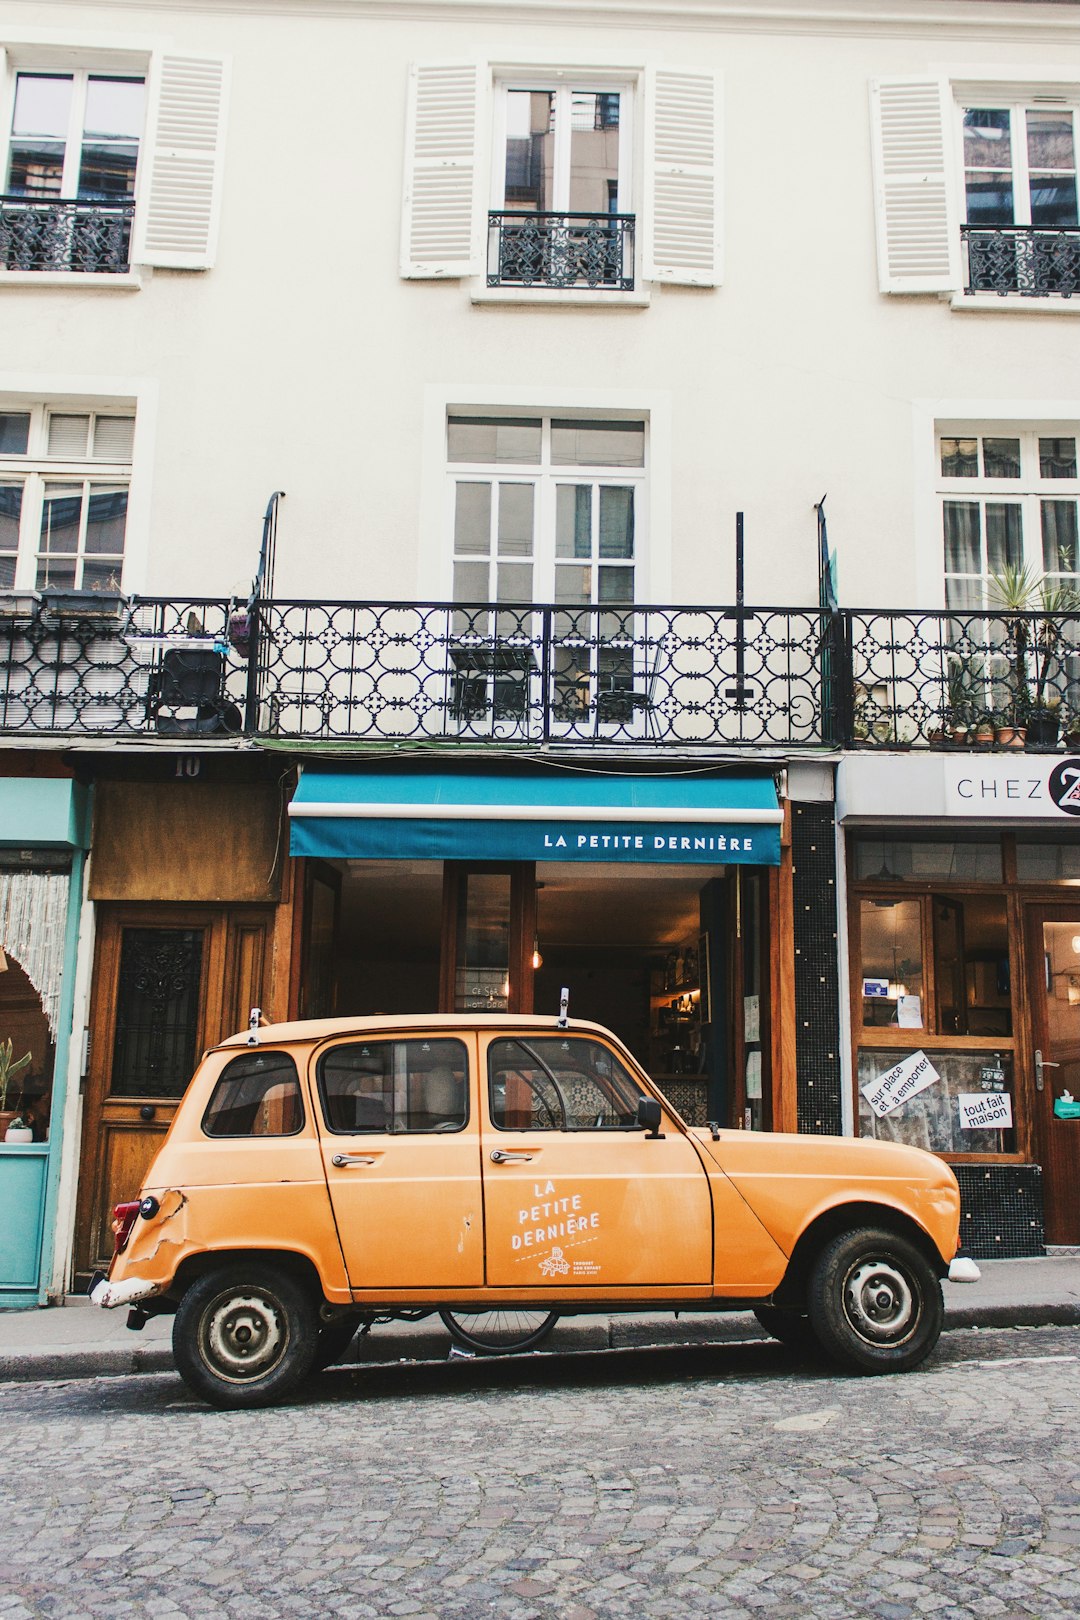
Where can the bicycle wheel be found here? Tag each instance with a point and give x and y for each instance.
(499, 1333)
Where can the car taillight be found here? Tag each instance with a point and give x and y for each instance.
(123, 1220)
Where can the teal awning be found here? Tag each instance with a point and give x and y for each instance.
(567, 815)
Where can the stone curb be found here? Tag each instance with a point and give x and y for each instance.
(626, 1333)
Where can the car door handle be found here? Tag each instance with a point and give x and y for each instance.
(499, 1156)
(346, 1161)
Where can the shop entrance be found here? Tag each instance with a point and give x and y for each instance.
(1054, 941)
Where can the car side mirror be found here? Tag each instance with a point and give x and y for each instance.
(650, 1114)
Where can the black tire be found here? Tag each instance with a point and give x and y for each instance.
(875, 1302)
(334, 1339)
(245, 1335)
(500, 1332)
(792, 1328)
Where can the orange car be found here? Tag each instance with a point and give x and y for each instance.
(503, 1171)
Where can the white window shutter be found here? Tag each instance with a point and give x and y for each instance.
(440, 226)
(918, 235)
(682, 178)
(176, 217)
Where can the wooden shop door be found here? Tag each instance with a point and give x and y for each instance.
(169, 982)
(1054, 944)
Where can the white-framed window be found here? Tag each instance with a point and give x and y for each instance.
(111, 159)
(976, 189)
(1009, 501)
(546, 540)
(632, 152)
(64, 480)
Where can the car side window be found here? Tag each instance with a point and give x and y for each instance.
(257, 1094)
(395, 1086)
(559, 1083)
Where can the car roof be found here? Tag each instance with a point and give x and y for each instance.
(311, 1030)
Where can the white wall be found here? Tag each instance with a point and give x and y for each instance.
(301, 360)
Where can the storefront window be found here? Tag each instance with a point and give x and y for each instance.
(1047, 861)
(952, 1102)
(483, 943)
(892, 963)
(918, 861)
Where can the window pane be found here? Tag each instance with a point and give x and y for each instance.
(106, 517)
(114, 109)
(14, 432)
(1053, 201)
(616, 522)
(394, 1086)
(10, 514)
(1059, 537)
(598, 444)
(1001, 458)
(1050, 141)
(986, 138)
(515, 520)
(1057, 458)
(891, 939)
(483, 942)
(493, 439)
(103, 574)
(157, 1011)
(61, 512)
(258, 1095)
(513, 582)
(107, 171)
(959, 458)
(931, 1118)
(594, 152)
(559, 1083)
(1047, 861)
(1004, 536)
(616, 585)
(963, 537)
(472, 519)
(964, 594)
(573, 584)
(971, 965)
(39, 130)
(530, 150)
(944, 860)
(113, 438)
(57, 573)
(573, 520)
(471, 582)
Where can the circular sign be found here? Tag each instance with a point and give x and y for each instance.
(1064, 785)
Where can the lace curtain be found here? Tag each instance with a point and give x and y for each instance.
(33, 917)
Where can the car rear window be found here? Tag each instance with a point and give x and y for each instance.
(258, 1094)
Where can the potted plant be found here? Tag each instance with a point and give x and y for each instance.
(1044, 723)
(984, 729)
(1036, 607)
(1007, 733)
(962, 678)
(20, 1130)
(10, 1066)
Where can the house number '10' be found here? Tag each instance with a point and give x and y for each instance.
(188, 765)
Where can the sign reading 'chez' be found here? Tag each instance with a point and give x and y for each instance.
(1003, 787)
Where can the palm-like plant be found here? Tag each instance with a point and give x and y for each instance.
(1034, 605)
(10, 1066)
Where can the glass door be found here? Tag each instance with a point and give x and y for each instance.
(1055, 995)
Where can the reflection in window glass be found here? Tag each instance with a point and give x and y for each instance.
(972, 986)
(892, 962)
(14, 432)
(1001, 458)
(934, 1118)
(960, 458)
(10, 514)
(966, 862)
(493, 439)
(1057, 458)
(258, 1095)
(395, 1086)
(597, 444)
(1058, 520)
(1047, 861)
(559, 1083)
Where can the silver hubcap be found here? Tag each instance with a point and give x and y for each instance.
(880, 1302)
(243, 1335)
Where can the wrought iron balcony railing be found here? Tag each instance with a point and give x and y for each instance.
(48, 233)
(561, 250)
(631, 677)
(1033, 260)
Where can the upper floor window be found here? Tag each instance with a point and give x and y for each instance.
(976, 191)
(561, 214)
(1009, 503)
(1021, 202)
(77, 138)
(64, 479)
(559, 211)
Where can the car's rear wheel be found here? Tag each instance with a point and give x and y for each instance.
(245, 1336)
(875, 1302)
(792, 1328)
(499, 1333)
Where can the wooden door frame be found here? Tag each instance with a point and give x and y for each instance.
(1040, 1104)
(522, 929)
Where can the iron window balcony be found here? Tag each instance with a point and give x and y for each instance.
(561, 250)
(52, 233)
(1032, 260)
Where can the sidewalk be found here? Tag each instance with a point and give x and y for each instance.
(82, 1341)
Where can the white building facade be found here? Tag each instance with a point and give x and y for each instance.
(517, 318)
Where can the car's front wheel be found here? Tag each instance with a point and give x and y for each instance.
(245, 1336)
(874, 1302)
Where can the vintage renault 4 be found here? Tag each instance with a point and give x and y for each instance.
(503, 1171)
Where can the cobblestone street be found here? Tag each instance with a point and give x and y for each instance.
(670, 1483)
